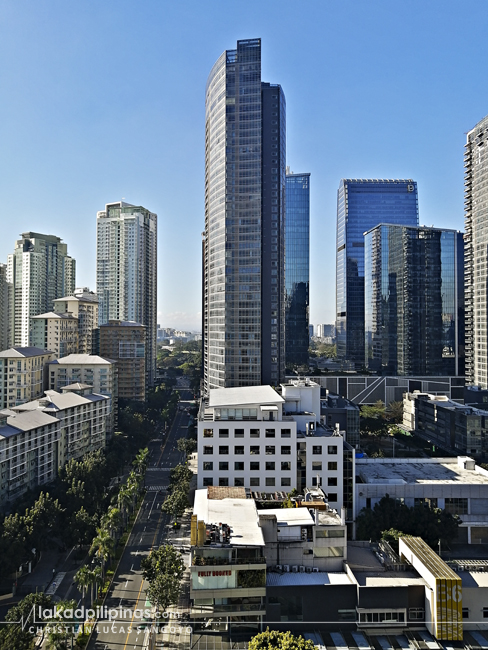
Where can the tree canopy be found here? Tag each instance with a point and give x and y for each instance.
(163, 569)
(274, 640)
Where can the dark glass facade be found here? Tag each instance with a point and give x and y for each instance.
(362, 204)
(297, 267)
(414, 301)
(243, 249)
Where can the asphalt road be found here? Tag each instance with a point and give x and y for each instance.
(150, 529)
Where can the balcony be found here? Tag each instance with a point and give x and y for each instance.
(249, 562)
(255, 609)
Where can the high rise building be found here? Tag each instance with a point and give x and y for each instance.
(126, 271)
(297, 267)
(414, 300)
(6, 309)
(476, 254)
(243, 249)
(362, 204)
(40, 271)
(125, 342)
(84, 306)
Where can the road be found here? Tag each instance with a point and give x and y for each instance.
(150, 529)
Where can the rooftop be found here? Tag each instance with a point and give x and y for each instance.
(23, 352)
(290, 516)
(122, 323)
(53, 314)
(83, 359)
(240, 514)
(54, 401)
(274, 579)
(245, 395)
(384, 471)
(25, 422)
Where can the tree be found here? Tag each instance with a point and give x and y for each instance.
(62, 630)
(163, 569)
(82, 526)
(112, 520)
(274, 640)
(18, 636)
(186, 445)
(394, 412)
(177, 502)
(83, 579)
(141, 460)
(180, 474)
(102, 546)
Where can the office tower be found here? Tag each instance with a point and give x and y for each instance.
(126, 271)
(414, 300)
(362, 204)
(125, 342)
(297, 267)
(84, 306)
(310, 331)
(40, 270)
(476, 254)
(6, 309)
(243, 250)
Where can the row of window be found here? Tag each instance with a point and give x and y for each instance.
(253, 433)
(255, 466)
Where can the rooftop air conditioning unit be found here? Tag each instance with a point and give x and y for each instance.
(279, 567)
(294, 569)
(301, 569)
(308, 569)
(315, 569)
(286, 568)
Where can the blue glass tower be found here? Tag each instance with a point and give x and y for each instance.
(297, 267)
(414, 301)
(363, 204)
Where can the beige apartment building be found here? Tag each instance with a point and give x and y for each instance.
(83, 305)
(21, 374)
(55, 332)
(125, 342)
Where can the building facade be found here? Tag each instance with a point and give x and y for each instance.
(6, 309)
(362, 204)
(21, 375)
(40, 271)
(127, 271)
(83, 305)
(243, 247)
(125, 343)
(297, 267)
(476, 254)
(414, 300)
(55, 332)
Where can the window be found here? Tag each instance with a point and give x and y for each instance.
(332, 481)
(286, 433)
(285, 451)
(332, 466)
(270, 433)
(223, 433)
(223, 481)
(332, 449)
(207, 467)
(426, 502)
(223, 451)
(254, 482)
(456, 506)
(208, 433)
(328, 533)
(270, 450)
(485, 612)
(239, 451)
(270, 481)
(332, 496)
(239, 433)
(285, 482)
(238, 482)
(239, 466)
(254, 450)
(224, 466)
(254, 433)
(285, 466)
(317, 450)
(208, 451)
(465, 613)
(316, 466)
(254, 466)
(270, 466)
(207, 480)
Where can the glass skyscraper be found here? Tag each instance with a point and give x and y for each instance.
(362, 204)
(243, 248)
(414, 300)
(476, 254)
(297, 267)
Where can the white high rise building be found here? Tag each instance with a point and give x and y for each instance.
(6, 309)
(127, 271)
(40, 271)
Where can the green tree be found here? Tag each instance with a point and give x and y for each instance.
(163, 569)
(177, 502)
(18, 637)
(186, 445)
(180, 474)
(102, 546)
(61, 632)
(394, 412)
(42, 520)
(82, 526)
(274, 640)
(141, 460)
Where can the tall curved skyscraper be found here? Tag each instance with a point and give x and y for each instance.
(243, 248)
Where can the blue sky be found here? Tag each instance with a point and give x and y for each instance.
(105, 99)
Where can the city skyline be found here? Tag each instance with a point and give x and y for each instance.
(75, 135)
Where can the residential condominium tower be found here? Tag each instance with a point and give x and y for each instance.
(6, 309)
(476, 253)
(297, 267)
(40, 271)
(126, 271)
(243, 249)
(414, 300)
(362, 204)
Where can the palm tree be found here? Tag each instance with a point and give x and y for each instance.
(83, 579)
(102, 546)
(96, 578)
(141, 460)
(111, 521)
(124, 501)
